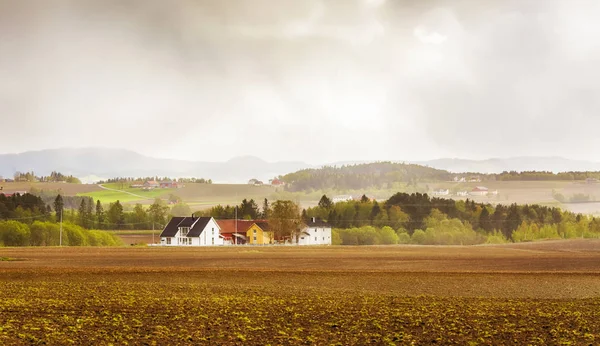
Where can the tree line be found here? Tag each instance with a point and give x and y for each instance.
(155, 178)
(46, 233)
(386, 175)
(54, 177)
(411, 212)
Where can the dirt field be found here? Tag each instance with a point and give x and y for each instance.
(534, 293)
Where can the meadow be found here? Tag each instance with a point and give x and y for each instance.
(530, 293)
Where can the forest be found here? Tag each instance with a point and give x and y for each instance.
(419, 219)
(386, 175)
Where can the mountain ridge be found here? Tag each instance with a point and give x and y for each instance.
(111, 162)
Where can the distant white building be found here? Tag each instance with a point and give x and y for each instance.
(479, 191)
(462, 193)
(316, 232)
(341, 198)
(460, 179)
(441, 192)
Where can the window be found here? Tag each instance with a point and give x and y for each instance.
(213, 231)
(255, 238)
(213, 239)
(301, 237)
(168, 241)
(184, 231)
(323, 238)
(315, 238)
(254, 231)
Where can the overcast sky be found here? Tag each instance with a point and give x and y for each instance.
(312, 80)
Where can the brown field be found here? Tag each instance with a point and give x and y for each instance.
(66, 189)
(529, 293)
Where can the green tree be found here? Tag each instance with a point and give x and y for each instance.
(58, 206)
(139, 217)
(325, 202)
(81, 213)
(484, 220)
(99, 214)
(115, 215)
(181, 209)
(285, 220)
(266, 209)
(158, 212)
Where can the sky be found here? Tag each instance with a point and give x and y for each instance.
(302, 80)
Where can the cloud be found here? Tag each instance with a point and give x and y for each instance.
(311, 80)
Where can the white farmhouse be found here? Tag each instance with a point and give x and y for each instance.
(191, 231)
(316, 232)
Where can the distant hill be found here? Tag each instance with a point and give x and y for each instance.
(360, 176)
(108, 163)
(498, 165)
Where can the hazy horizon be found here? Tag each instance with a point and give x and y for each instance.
(313, 81)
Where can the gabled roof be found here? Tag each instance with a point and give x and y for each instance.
(229, 226)
(199, 224)
(263, 224)
(172, 227)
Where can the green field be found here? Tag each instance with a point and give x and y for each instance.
(201, 196)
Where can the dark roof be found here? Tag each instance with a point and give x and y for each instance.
(263, 224)
(187, 222)
(172, 227)
(199, 224)
(317, 223)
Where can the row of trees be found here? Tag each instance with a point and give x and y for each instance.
(410, 212)
(39, 233)
(54, 177)
(132, 180)
(544, 176)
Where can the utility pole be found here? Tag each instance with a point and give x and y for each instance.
(60, 240)
(152, 232)
(235, 234)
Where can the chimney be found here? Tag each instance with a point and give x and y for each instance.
(313, 219)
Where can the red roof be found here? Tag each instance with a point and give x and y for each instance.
(228, 226)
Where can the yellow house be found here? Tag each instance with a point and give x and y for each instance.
(256, 235)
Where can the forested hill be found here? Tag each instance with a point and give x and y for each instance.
(361, 176)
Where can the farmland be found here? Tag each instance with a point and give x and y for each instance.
(200, 196)
(531, 293)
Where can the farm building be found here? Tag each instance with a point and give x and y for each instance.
(151, 184)
(479, 191)
(316, 232)
(276, 182)
(191, 231)
(244, 232)
(169, 184)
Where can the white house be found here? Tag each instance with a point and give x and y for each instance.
(341, 198)
(479, 191)
(191, 231)
(316, 232)
(462, 193)
(441, 192)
